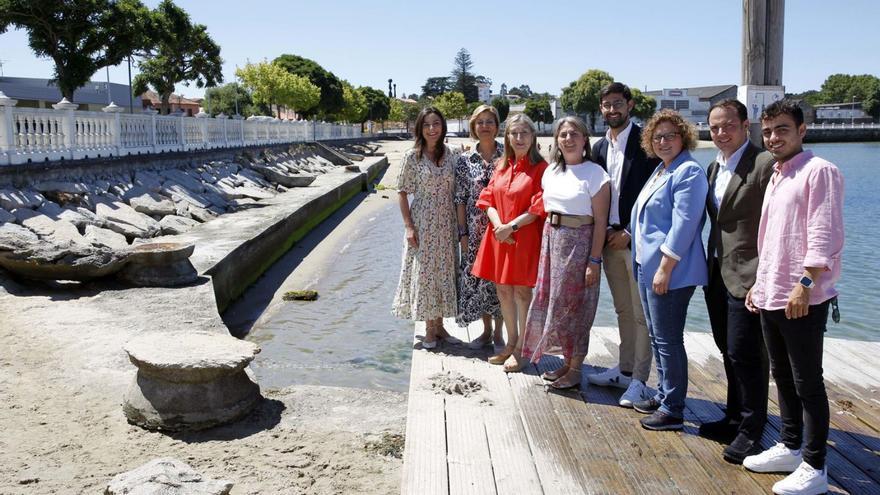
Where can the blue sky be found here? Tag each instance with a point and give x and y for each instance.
(543, 44)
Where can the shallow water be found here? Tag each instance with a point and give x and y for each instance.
(349, 337)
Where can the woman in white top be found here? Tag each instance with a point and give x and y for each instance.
(576, 199)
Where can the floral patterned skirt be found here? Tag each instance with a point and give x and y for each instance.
(563, 308)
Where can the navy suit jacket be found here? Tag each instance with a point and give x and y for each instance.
(637, 169)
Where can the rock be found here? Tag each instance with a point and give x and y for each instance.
(67, 187)
(174, 225)
(81, 217)
(49, 261)
(6, 217)
(201, 214)
(301, 295)
(284, 178)
(184, 179)
(160, 264)
(121, 188)
(166, 476)
(149, 180)
(148, 202)
(256, 179)
(189, 380)
(242, 203)
(14, 236)
(11, 199)
(105, 237)
(58, 231)
(180, 193)
(121, 218)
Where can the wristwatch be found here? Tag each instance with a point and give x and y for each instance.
(807, 282)
(513, 226)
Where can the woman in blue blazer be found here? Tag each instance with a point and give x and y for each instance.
(668, 257)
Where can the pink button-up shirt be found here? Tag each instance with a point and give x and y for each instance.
(801, 226)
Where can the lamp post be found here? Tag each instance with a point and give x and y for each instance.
(852, 112)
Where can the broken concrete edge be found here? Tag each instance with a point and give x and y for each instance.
(241, 267)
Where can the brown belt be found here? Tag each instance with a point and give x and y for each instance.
(559, 219)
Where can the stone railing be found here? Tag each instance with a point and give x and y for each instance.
(34, 135)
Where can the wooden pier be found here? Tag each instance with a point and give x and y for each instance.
(515, 436)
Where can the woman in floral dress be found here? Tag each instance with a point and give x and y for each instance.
(426, 290)
(576, 199)
(476, 297)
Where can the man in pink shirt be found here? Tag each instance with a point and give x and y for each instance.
(800, 239)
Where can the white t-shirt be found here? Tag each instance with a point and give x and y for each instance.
(571, 192)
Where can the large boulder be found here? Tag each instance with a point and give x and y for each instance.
(174, 224)
(13, 199)
(180, 193)
(49, 261)
(283, 177)
(105, 238)
(119, 217)
(183, 178)
(166, 476)
(159, 264)
(77, 187)
(5, 216)
(149, 180)
(148, 202)
(59, 231)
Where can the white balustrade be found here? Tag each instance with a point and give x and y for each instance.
(38, 135)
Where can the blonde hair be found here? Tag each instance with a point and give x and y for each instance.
(579, 126)
(533, 154)
(688, 132)
(472, 124)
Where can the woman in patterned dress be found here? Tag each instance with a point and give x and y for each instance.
(576, 199)
(426, 291)
(508, 255)
(476, 297)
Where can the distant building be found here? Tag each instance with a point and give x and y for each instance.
(841, 113)
(484, 92)
(176, 103)
(693, 103)
(41, 93)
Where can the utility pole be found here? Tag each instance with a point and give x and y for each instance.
(763, 23)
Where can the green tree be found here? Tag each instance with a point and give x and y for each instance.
(538, 109)
(644, 106)
(523, 91)
(332, 97)
(462, 79)
(80, 37)
(503, 106)
(435, 86)
(846, 88)
(180, 52)
(223, 99)
(355, 107)
(269, 83)
(403, 111)
(582, 96)
(378, 104)
(452, 105)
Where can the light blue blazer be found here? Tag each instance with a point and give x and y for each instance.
(670, 220)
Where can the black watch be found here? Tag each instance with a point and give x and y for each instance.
(514, 227)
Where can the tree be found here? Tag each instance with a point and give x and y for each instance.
(269, 83)
(223, 99)
(180, 52)
(452, 105)
(502, 105)
(378, 104)
(403, 111)
(462, 79)
(332, 98)
(435, 86)
(80, 37)
(582, 96)
(538, 109)
(523, 91)
(644, 105)
(355, 108)
(846, 88)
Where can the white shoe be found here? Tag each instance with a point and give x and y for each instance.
(610, 378)
(776, 459)
(635, 392)
(805, 480)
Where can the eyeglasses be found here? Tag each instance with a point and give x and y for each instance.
(616, 105)
(569, 134)
(519, 134)
(486, 123)
(669, 136)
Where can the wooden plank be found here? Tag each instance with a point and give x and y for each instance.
(512, 464)
(424, 456)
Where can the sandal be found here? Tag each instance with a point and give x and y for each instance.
(514, 363)
(552, 376)
(502, 356)
(563, 384)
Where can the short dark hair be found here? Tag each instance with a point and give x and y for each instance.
(741, 111)
(784, 107)
(616, 87)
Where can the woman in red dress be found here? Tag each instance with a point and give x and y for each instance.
(510, 249)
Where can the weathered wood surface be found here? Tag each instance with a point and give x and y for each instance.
(515, 435)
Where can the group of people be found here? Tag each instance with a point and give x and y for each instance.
(533, 238)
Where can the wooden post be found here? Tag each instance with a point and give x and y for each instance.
(763, 24)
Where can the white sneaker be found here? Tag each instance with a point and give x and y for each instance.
(776, 459)
(635, 392)
(610, 378)
(806, 480)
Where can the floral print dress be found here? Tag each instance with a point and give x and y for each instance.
(426, 289)
(476, 296)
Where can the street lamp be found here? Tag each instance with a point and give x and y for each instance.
(852, 112)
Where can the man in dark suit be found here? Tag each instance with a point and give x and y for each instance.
(737, 180)
(621, 155)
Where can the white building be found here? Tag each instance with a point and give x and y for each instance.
(692, 103)
(484, 92)
(41, 93)
(842, 113)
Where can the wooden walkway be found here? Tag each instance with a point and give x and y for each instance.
(514, 436)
